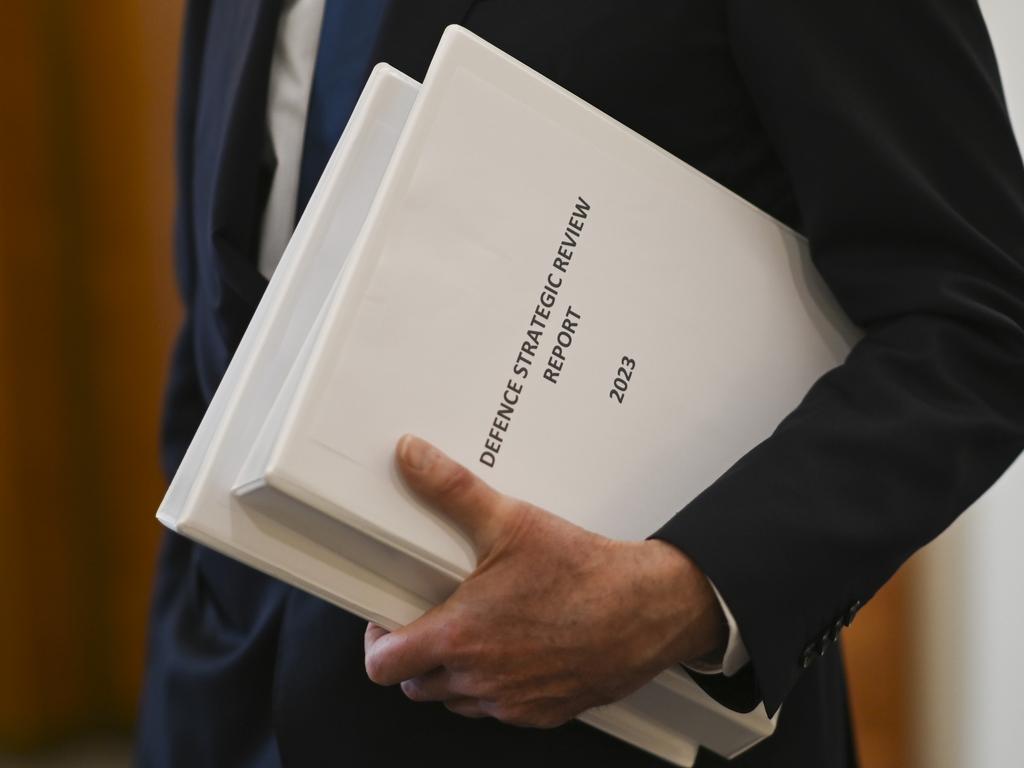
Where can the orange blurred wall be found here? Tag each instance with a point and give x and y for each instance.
(87, 312)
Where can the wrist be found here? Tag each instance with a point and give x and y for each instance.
(701, 632)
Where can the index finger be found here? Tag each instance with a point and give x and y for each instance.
(409, 652)
(374, 632)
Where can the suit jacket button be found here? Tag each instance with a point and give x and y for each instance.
(823, 643)
(837, 627)
(852, 612)
(808, 657)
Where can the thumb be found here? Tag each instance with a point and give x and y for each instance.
(451, 489)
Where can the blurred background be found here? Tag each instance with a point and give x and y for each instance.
(87, 313)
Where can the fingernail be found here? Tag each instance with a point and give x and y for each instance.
(416, 453)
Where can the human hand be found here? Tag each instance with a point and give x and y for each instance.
(553, 621)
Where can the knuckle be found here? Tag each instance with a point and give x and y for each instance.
(453, 639)
(456, 482)
(374, 668)
(480, 686)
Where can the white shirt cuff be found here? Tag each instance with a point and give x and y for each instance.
(735, 656)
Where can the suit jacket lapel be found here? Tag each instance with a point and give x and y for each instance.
(232, 177)
(232, 169)
(411, 30)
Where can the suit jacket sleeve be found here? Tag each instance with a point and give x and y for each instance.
(890, 121)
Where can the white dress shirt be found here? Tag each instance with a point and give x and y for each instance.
(291, 78)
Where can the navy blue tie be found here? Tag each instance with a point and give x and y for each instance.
(347, 41)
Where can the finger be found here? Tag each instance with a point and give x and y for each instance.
(406, 653)
(437, 685)
(452, 489)
(373, 633)
(465, 707)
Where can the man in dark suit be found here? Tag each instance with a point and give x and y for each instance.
(876, 128)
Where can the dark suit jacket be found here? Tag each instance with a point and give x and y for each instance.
(877, 128)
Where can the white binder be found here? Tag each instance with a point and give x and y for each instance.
(463, 211)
